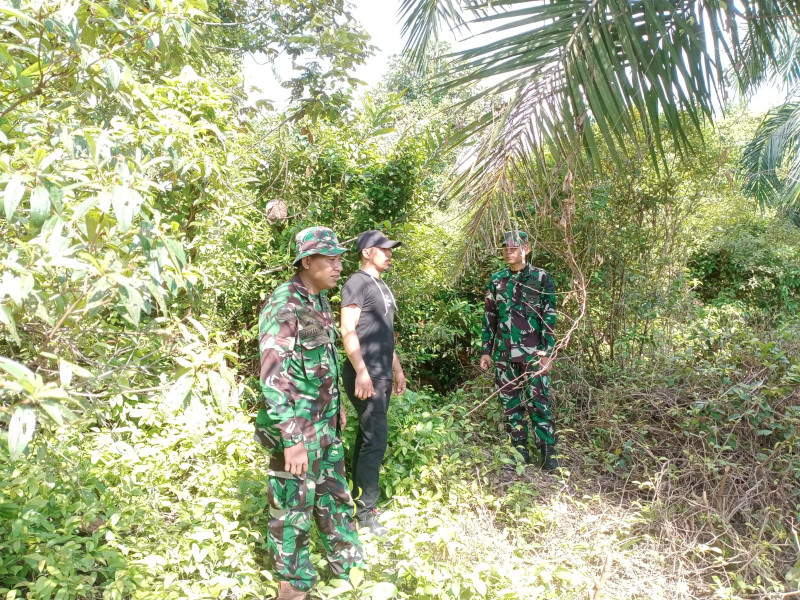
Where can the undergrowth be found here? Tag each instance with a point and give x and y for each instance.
(679, 480)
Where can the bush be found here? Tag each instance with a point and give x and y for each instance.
(756, 262)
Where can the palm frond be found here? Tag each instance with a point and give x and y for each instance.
(577, 69)
(423, 20)
(784, 71)
(770, 163)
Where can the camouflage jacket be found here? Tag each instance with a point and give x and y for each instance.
(299, 369)
(519, 315)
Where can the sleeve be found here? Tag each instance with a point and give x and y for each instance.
(277, 327)
(489, 329)
(547, 301)
(353, 292)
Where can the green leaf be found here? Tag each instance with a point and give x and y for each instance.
(176, 395)
(65, 373)
(15, 190)
(19, 15)
(20, 430)
(53, 410)
(382, 591)
(77, 369)
(133, 302)
(356, 576)
(176, 251)
(480, 586)
(84, 207)
(113, 74)
(220, 389)
(19, 372)
(7, 319)
(126, 203)
(40, 205)
(33, 69)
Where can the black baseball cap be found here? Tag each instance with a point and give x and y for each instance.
(374, 239)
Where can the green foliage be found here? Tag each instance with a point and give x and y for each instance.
(590, 83)
(698, 431)
(154, 510)
(754, 260)
(321, 38)
(112, 146)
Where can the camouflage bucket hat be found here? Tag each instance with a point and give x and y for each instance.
(515, 238)
(316, 240)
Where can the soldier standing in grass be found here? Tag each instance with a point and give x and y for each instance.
(302, 419)
(518, 325)
(373, 370)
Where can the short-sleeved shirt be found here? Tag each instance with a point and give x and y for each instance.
(375, 328)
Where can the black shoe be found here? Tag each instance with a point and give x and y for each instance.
(370, 520)
(525, 453)
(549, 462)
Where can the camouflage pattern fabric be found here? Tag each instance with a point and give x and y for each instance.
(523, 396)
(300, 384)
(515, 239)
(321, 494)
(299, 369)
(316, 240)
(518, 328)
(519, 315)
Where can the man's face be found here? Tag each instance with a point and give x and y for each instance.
(380, 257)
(324, 271)
(515, 255)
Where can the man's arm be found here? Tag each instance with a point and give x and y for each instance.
(547, 301)
(399, 387)
(489, 327)
(350, 316)
(277, 337)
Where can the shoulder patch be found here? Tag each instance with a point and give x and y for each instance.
(284, 341)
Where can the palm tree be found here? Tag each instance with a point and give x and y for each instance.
(770, 163)
(771, 160)
(576, 76)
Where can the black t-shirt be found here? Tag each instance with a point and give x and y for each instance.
(375, 329)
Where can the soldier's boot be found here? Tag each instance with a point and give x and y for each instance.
(549, 462)
(289, 592)
(370, 519)
(525, 453)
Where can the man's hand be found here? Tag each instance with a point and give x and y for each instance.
(342, 417)
(486, 362)
(399, 387)
(545, 364)
(364, 389)
(296, 459)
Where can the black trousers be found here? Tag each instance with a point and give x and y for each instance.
(373, 434)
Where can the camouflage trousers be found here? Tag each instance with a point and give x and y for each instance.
(321, 494)
(523, 396)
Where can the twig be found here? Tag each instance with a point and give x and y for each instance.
(601, 582)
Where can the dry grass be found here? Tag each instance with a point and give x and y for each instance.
(656, 499)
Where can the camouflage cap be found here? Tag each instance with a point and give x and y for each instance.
(316, 240)
(515, 238)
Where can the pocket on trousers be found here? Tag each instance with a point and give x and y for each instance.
(285, 493)
(335, 477)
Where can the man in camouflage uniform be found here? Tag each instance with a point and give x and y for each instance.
(518, 324)
(302, 419)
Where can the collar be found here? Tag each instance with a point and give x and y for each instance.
(523, 271)
(363, 272)
(299, 286)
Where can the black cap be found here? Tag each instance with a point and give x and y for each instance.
(374, 239)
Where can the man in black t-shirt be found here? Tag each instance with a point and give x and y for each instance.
(372, 370)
